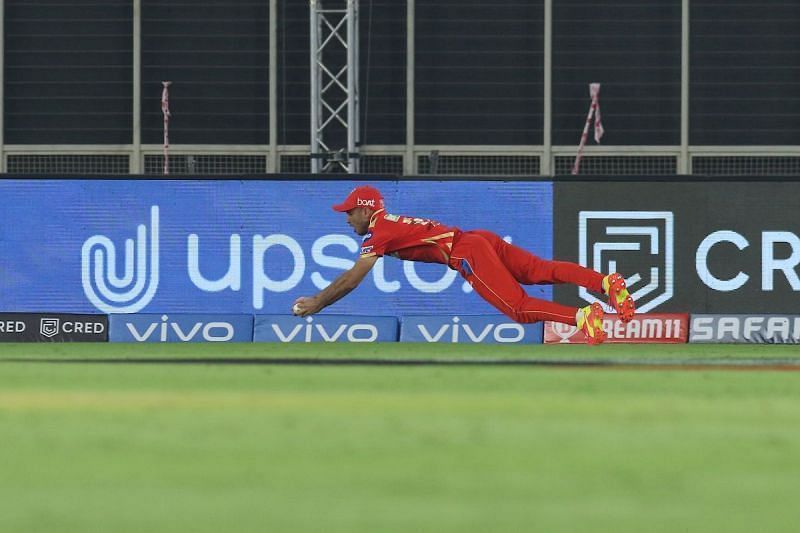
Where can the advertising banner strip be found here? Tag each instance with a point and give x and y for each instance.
(325, 328)
(740, 328)
(684, 245)
(234, 247)
(648, 328)
(468, 329)
(180, 328)
(53, 327)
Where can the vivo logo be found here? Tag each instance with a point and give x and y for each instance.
(160, 331)
(456, 332)
(311, 332)
(325, 328)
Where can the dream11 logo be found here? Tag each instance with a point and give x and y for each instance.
(133, 290)
(638, 244)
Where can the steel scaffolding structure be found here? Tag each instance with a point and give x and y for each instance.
(334, 85)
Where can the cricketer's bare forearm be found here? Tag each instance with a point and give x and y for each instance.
(343, 285)
(337, 290)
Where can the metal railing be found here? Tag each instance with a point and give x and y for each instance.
(400, 159)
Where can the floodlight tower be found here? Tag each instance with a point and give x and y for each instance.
(334, 86)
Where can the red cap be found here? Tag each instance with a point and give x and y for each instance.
(363, 196)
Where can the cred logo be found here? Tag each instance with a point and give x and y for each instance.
(49, 327)
(638, 244)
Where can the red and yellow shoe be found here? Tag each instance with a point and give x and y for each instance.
(591, 323)
(618, 296)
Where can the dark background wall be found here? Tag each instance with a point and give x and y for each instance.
(217, 56)
(68, 72)
(745, 72)
(479, 77)
(479, 71)
(633, 49)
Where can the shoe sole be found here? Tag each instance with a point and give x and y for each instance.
(627, 308)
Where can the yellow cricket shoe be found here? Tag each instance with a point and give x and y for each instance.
(618, 296)
(591, 323)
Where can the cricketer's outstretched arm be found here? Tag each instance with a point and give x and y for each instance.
(341, 286)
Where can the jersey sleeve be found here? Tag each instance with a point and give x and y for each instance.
(377, 240)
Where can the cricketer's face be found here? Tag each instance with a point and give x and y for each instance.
(358, 218)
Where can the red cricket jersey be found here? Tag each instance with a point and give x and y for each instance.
(409, 238)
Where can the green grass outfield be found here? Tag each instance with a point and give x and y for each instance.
(209, 447)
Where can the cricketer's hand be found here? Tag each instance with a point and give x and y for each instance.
(304, 306)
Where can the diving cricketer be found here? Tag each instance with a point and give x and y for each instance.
(495, 269)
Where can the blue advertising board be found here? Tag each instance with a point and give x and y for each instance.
(325, 328)
(466, 329)
(250, 247)
(180, 328)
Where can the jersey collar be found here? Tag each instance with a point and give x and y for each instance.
(374, 218)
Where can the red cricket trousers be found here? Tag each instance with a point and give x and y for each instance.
(495, 269)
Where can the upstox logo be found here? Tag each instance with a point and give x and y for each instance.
(137, 285)
(638, 244)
